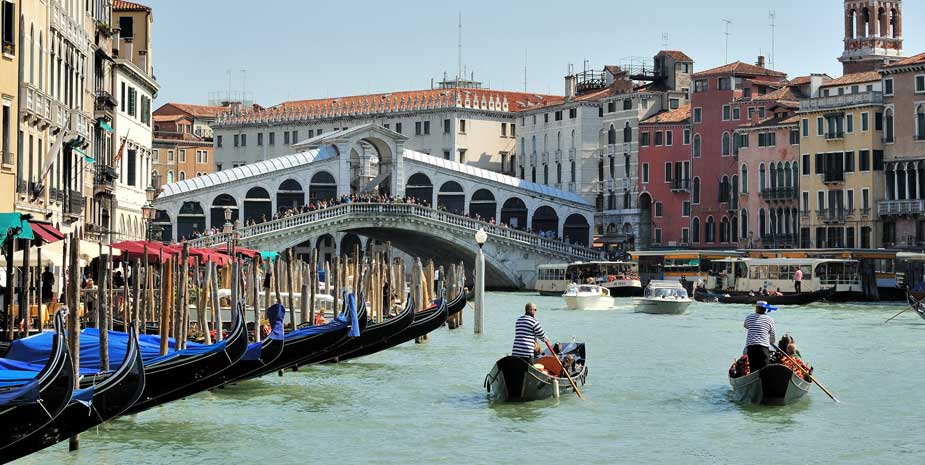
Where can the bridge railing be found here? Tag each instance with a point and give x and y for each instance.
(400, 209)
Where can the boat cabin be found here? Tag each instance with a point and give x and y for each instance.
(754, 274)
(659, 289)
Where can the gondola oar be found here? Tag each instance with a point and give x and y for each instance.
(562, 367)
(896, 315)
(808, 374)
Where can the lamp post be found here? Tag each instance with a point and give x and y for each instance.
(148, 211)
(227, 227)
(480, 238)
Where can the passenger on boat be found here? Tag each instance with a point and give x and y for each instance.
(797, 280)
(526, 333)
(760, 337)
(778, 292)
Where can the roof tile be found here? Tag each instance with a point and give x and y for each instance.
(122, 5)
(678, 115)
(853, 78)
(739, 67)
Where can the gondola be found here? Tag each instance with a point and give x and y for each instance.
(26, 407)
(373, 334)
(775, 384)
(92, 406)
(917, 305)
(306, 342)
(424, 322)
(151, 328)
(743, 298)
(515, 379)
(177, 375)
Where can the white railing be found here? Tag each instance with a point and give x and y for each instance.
(900, 207)
(378, 210)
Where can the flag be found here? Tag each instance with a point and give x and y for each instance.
(121, 148)
(55, 148)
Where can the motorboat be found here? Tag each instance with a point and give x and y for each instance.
(588, 297)
(663, 298)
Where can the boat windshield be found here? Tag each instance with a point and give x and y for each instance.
(666, 293)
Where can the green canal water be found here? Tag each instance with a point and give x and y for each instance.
(657, 393)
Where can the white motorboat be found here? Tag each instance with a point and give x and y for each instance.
(663, 298)
(587, 297)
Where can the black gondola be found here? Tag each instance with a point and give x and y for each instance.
(107, 399)
(373, 334)
(743, 298)
(515, 379)
(178, 376)
(424, 322)
(917, 305)
(775, 384)
(152, 329)
(48, 393)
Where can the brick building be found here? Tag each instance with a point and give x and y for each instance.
(183, 146)
(665, 176)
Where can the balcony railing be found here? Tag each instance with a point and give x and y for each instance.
(558, 155)
(780, 240)
(838, 101)
(105, 176)
(33, 102)
(835, 135)
(779, 193)
(681, 185)
(572, 153)
(611, 149)
(901, 207)
(104, 101)
(833, 215)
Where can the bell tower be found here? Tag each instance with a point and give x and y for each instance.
(873, 34)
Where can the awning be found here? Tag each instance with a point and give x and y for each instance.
(105, 126)
(46, 232)
(14, 220)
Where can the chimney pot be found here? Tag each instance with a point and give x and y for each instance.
(760, 63)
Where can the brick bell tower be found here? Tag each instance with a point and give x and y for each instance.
(873, 34)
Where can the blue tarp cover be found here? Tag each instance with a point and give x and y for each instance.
(27, 394)
(17, 377)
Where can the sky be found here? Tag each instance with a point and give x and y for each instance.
(293, 49)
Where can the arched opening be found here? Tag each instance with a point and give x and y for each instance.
(322, 187)
(452, 198)
(327, 248)
(920, 123)
(289, 195)
(744, 178)
(190, 221)
(762, 183)
(645, 218)
(420, 188)
(611, 135)
(762, 223)
(514, 213)
(545, 222)
(724, 230)
(257, 205)
(217, 212)
(349, 245)
(744, 223)
(576, 229)
(483, 205)
(627, 133)
(780, 175)
(888, 125)
(696, 194)
(726, 144)
(709, 230)
(161, 227)
(695, 230)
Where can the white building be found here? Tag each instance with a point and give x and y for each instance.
(471, 125)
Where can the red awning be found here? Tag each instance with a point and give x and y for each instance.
(137, 249)
(249, 253)
(46, 232)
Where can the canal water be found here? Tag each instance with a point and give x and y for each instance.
(657, 393)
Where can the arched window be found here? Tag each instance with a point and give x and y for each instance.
(182, 175)
(613, 172)
(794, 174)
(761, 223)
(523, 145)
(32, 54)
(709, 231)
(626, 164)
(788, 175)
(627, 133)
(533, 174)
(572, 139)
(744, 178)
(545, 174)
(761, 181)
(696, 194)
(559, 141)
(920, 122)
(695, 230)
(724, 229)
(743, 222)
(170, 177)
(696, 146)
(41, 62)
(780, 174)
(888, 125)
(726, 144)
(558, 173)
(773, 175)
(611, 135)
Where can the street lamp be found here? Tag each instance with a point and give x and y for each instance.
(227, 227)
(480, 238)
(148, 211)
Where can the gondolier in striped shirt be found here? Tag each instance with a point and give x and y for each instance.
(760, 337)
(526, 331)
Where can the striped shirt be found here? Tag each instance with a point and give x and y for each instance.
(526, 331)
(760, 330)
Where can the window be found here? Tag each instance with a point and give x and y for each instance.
(686, 208)
(572, 113)
(398, 127)
(446, 125)
(9, 29)
(805, 158)
(126, 24)
(805, 201)
(804, 123)
(295, 136)
(243, 140)
(644, 138)
(865, 200)
(503, 129)
(157, 155)
(724, 84)
(696, 150)
(820, 126)
(701, 85)
(888, 86)
(767, 139)
(658, 232)
(426, 128)
(849, 123)
(417, 128)
(645, 172)
(272, 138)
(698, 115)
(611, 106)
(170, 156)
(687, 137)
(751, 113)
(182, 155)
(878, 121)
(669, 135)
(659, 138)
(736, 113)
(668, 169)
(727, 113)
(919, 122)
(878, 160)
(794, 137)
(627, 133)
(695, 196)
(920, 84)
(659, 209)
(849, 162)
(627, 104)
(131, 159)
(727, 144)
(286, 137)
(218, 141)
(259, 138)
(132, 93)
(558, 115)
(237, 140)
(674, 103)
(744, 179)
(888, 126)
(820, 163)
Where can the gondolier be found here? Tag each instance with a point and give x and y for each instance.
(526, 332)
(760, 337)
(797, 280)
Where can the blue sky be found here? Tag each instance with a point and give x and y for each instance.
(310, 49)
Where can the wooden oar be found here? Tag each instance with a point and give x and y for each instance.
(808, 374)
(562, 367)
(896, 315)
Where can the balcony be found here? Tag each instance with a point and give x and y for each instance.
(75, 205)
(681, 185)
(841, 101)
(833, 215)
(33, 103)
(833, 177)
(572, 154)
(779, 193)
(611, 150)
(804, 213)
(901, 207)
(104, 102)
(834, 135)
(104, 179)
(780, 241)
(55, 195)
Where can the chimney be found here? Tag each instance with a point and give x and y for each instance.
(760, 63)
(127, 49)
(815, 82)
(571, 86)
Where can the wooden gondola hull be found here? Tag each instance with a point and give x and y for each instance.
(917, 305)
(424, 322)
(56, 383)
(514, 379)
(774, 384)
(110, 398)
(787, 299)
(373, 334)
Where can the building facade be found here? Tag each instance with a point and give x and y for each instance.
(665, 178)
(9, 91)
(873, 34)
(183, 142)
